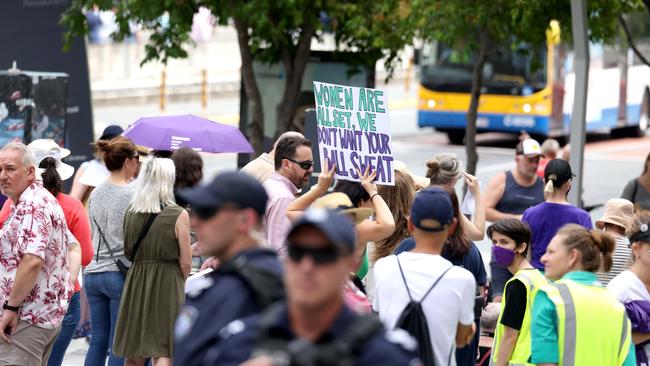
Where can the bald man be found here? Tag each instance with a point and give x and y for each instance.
(263, 166)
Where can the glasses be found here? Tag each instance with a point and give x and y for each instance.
(306, 165)
(320, 256)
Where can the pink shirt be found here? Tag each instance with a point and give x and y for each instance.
(37, 226)
(276, 223)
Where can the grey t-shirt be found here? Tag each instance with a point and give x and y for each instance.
(107, 206)
(637, 194)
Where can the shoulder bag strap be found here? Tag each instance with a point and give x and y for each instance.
(100, 242)
(143, 233)
(403, 278)
(435, 283)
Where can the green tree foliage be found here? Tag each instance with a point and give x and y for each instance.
(477, 26)
(272, 31)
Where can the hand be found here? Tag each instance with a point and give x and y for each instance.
(260, 361)
(326, 178)
(8, 324)
(367, 180)
(472, 183)
(211, 262)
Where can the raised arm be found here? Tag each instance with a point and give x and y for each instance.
(384, 223)
(475, 229)
(300, 204)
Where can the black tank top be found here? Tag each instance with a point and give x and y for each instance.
(516, 198)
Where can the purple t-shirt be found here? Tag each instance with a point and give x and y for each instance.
(545, 220)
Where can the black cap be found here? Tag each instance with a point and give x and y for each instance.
(337, 227)
(559, 171)
(111, 132)
(234, 188)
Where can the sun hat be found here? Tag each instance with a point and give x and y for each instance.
(340, 201)
(618, 211)
(47, 148)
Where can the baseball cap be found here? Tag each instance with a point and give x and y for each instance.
(234, 188)
(619, 212)
(528, 147)
(47, 148)
(432, 210)
(335, 225)
(340, 201)
(111, 132)
(559, 171)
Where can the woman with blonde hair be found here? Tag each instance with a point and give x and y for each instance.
(157, 241)
(575, 313)
(446, 170)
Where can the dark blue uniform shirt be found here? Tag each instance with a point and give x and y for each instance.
(389, 348)
(224, 298)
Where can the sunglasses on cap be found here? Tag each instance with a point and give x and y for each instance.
(320, 256)
(303, 164)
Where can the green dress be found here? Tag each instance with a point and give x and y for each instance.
(154, 290)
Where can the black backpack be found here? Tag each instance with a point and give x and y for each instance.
(413, 320)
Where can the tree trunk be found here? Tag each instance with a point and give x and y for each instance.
(294, 68)
(472, 113)
(256, 127)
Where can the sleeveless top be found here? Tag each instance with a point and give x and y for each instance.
(516, 198)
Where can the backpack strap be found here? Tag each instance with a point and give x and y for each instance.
(430, 288)
(267, 286)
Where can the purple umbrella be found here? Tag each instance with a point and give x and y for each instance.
(200, 134)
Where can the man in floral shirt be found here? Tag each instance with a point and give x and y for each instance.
(34, 276)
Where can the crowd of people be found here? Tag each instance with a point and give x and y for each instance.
(339, 273)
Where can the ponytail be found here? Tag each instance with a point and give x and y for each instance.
(550, 184)
(51, 178)
(595, 247)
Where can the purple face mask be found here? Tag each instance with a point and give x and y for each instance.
(503, 256)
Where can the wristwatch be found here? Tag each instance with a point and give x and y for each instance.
(6, 306)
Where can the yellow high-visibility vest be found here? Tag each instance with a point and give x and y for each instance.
(593, 328)
(533, 280)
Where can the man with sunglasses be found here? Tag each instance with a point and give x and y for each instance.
(227, 215)
(293, 167)
(262, 167)
(508, 195)
(314, 327)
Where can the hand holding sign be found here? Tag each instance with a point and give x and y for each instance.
(326, 178)
(367, 181)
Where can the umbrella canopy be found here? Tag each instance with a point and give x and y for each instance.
(200, 134)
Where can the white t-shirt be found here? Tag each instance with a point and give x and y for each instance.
(628, 287)
(449, 303)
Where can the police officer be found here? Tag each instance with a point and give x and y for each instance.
(227, 215)
(313, 326)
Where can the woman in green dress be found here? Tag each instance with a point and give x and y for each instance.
(154, 288)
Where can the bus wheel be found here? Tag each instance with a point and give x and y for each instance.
(456, 136)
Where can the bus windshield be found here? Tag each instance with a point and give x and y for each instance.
(506, 71)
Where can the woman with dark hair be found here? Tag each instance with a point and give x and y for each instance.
(638, 189)
(575, 312)
(103, 279)
(461, 251)
(52, 172)
(546, 218)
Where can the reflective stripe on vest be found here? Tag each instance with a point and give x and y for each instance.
(562, 293)
(532, 279)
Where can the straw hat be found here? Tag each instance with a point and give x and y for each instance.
(618, 211)
(338, 200)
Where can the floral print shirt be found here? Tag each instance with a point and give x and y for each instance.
(37, 226)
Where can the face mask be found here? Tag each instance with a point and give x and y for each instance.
(502, 256)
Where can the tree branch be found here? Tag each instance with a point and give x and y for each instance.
(630, 40)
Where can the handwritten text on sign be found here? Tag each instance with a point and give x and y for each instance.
(354, 131)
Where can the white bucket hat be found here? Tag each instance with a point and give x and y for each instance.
(47, 148)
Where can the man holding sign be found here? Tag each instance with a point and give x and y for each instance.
(354, 131)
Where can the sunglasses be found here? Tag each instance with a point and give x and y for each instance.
(303, 164)
(320, 256)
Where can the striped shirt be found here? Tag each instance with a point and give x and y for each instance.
(622, 260)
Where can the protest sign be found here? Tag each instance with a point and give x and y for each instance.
(354, 131)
